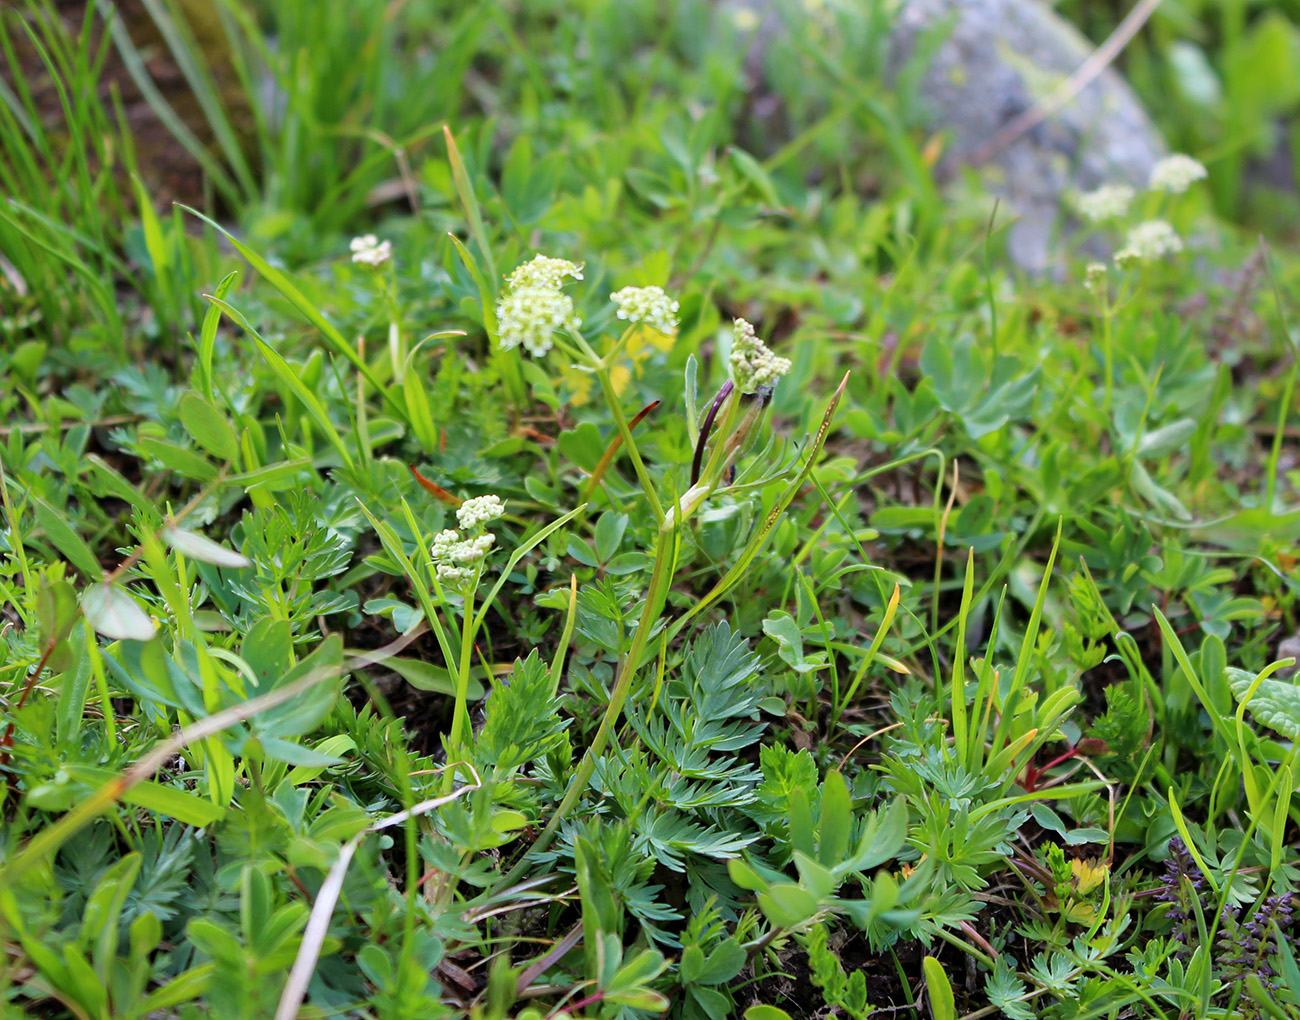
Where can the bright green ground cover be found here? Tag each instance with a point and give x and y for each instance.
(950, 685)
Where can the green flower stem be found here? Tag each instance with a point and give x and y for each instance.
(612, 399)
(460, 714)
(656, 593)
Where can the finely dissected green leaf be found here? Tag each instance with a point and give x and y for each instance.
(199, 547)
(115, 614)
(1275, 703)
(523, 717)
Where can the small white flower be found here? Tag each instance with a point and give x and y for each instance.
(479, 510)
(647, 304)
(459, 562)
(544, 271)
(1094, 277)
(1176, 173)
(370, 251)
(531, 315)
(459, 578)
(1149, 240)
(1109, 202)
(753, 366)
(442, 545)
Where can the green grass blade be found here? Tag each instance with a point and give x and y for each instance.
(282, 283)
(289, 377)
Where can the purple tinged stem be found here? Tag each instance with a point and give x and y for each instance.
(698, 462)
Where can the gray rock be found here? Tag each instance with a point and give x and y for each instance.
(1001, 58)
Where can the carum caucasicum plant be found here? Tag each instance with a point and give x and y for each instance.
(458, 631)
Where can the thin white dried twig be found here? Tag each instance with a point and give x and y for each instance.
(318, 923)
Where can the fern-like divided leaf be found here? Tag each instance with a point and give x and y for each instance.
(523, 718)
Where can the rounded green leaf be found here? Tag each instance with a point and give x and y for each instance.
(113, 613)
(208, 427)
(203, 549)
(766, 1012)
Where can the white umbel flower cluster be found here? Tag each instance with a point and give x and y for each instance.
(529, 317)
(460, 561)
(649, 305)
(368, 250)
(544, 271)
(1094, 279)
(753, 366)
(1147, 241)
(1175, 174)
(474, 513)
(1109, 202)
(534, 307)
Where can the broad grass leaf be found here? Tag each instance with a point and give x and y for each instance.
(1275, 703)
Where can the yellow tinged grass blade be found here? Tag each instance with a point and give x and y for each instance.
(282, 283)
(163, 800)
(465, 189)
(873, 652)
(1030, 644)
(961, 738)
(571, 618)
(1181, 824)
(942, 1004)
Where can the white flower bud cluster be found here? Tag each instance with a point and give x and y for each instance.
(368, 250)
(1147, 241)
(534, 307)
(544, 271)
(460, 561)
(1175, 174)
(753, 366)
(649, 305)
(1109, 202)
(476, 512)
(1094, 278)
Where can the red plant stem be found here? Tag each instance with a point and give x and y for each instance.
(1032, 774)
(8, 739)
(573, 1007)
